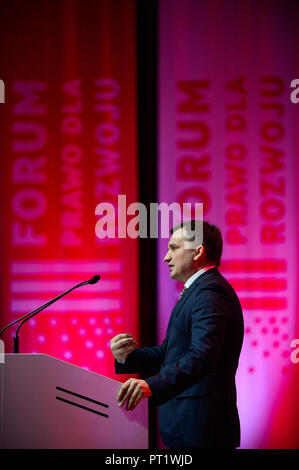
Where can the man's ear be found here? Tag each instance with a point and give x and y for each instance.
(198, 252)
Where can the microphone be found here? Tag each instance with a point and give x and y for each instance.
(94, 279)
(24, 318)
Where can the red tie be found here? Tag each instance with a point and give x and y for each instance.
(182, 291)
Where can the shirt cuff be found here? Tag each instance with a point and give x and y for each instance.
(121, 362)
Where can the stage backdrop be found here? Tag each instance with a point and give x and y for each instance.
(68, 142)
(228, 138)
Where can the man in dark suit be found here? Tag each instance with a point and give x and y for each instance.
(191, 376)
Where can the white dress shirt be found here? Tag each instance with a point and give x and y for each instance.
(196, 275)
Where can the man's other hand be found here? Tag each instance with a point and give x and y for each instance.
(132, 391)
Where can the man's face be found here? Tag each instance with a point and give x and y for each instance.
(180, 259)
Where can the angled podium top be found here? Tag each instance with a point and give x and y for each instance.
(49, 403)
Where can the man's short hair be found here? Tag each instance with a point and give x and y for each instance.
(211, 237)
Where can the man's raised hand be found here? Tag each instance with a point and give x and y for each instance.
(122, 345)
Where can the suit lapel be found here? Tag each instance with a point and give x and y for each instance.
(183, 299)
(181, 302)
(178, 307)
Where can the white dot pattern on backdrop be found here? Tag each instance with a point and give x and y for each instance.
(82, 340)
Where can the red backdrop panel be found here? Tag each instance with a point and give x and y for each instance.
(68, 142)
(228, 138)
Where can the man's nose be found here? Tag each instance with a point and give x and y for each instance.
(167, 257)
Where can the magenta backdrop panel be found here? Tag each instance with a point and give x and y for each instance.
(227, 138)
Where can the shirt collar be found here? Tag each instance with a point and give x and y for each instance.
(196, 275)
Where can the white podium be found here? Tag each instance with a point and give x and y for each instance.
(47, 403)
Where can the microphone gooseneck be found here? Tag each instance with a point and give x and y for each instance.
(29, 315)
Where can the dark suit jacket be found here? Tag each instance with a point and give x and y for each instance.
(192, 374)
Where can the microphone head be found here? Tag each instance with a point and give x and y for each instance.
(94, 279)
